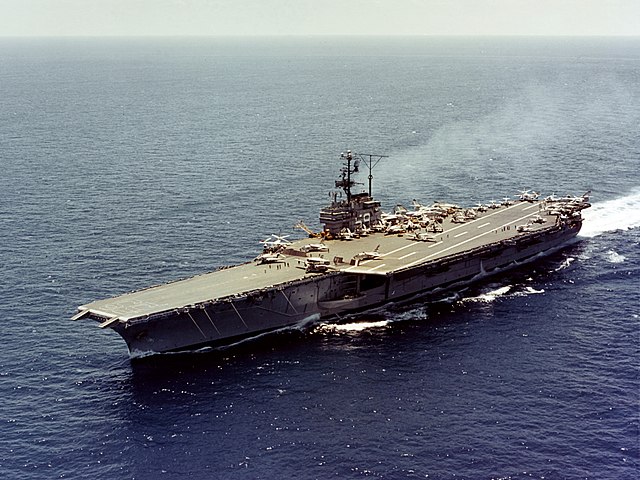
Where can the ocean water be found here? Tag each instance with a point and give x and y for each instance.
(131, 162)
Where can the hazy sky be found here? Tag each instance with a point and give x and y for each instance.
(319, 17)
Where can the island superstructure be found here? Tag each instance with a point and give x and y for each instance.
(362, 258)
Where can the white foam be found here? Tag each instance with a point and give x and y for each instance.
(615, 257)
(565, 264)
(503, 291)
(491, 295)
(618, 214)
(533, 291)
(135, 354)
(355, 326)
(450, 299)
(500, 291)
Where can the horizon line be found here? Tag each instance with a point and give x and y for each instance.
(324, 35)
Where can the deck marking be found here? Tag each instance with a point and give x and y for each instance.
(484, 225)
(460, 234)
(375, 268)
(396, 250)
(498, 211)
(407, 255)
(223, 283)
(530, 206)
(415, 262)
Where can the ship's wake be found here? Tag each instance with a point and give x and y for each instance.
(612, 215)
(352, 326)
(566, 264)
(415, 308)
(614, 257)
(390, 314)
(502, 292)
(490, 295)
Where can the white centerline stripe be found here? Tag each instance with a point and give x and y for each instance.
(460, 234)
(484, 225)
(531, 206)
(396, 250)
(415, 262)
(484, 217)
(375, 268)
(407, 255)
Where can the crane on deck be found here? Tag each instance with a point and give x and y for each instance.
(302, 226)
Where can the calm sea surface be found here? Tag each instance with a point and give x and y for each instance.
(128, 162)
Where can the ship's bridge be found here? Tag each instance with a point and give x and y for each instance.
(359, 213)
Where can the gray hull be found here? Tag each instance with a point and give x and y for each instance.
(229, 320)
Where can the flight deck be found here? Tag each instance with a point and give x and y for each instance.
(395, 252)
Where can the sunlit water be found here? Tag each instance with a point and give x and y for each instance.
(127, 163)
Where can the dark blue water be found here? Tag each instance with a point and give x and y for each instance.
(129, 162)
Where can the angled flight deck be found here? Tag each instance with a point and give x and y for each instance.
(397, 252)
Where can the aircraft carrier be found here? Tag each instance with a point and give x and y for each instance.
(363, 258)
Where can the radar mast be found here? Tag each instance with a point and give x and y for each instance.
(345, 181)
(347, 170)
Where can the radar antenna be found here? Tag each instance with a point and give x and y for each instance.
(369, 159)
(373, 160)
(345, 182)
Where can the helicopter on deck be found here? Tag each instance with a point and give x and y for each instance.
(528, 195)
(275, 242)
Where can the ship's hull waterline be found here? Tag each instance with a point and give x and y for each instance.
(219, 323)
(363, 258)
